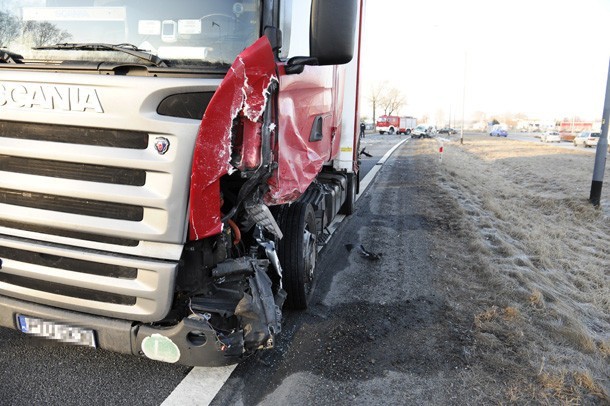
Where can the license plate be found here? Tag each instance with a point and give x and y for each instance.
(56, 331)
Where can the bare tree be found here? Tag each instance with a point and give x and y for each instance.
(375, 96)
(45, 33)
(9, 28)
(392, 100)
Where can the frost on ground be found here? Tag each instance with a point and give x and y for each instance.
(493, 286)
(536, 264)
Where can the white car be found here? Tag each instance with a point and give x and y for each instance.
(550, 136)
(422, 131)
(587, 139)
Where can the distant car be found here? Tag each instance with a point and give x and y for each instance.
(550, 136)
(447, 130)
(587, 139)
(499, 132)
(423, 131)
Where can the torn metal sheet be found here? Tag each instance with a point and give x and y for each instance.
(305, 105)
(243, 90)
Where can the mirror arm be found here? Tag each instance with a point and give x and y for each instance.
(296, 64)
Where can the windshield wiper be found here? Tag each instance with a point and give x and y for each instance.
(126, 48)
(10, 57)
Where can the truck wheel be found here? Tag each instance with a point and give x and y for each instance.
(353, 181)
(381, 132)
(298, 252)
(391, 131)
(408, 132)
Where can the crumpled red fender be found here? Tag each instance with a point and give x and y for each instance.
(244, 88)
(298, 164)
(302, 98)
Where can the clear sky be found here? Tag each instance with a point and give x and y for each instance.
(545, 58)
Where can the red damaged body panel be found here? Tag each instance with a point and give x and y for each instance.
(305, 105)
(244, 90)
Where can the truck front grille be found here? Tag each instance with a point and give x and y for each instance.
(71, 205)
(74, 135)
(93, 217)
(76, 171)
(68, 291)
(81, 280)
(98, 185)
(68, 264)
(73, 234)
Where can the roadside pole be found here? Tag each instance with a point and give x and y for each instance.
(463, 97)
(602, 151)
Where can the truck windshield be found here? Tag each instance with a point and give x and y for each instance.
(182, 33)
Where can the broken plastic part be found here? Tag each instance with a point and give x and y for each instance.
(271, 252)
(261, 215)
(259, 312)
(363, 252)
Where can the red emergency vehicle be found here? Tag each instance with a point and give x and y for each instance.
(395, 124)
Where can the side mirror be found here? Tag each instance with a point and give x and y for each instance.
(332, 32)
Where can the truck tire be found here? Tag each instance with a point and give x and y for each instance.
(381, 132)
(353, 182)
(408, 132)
(297, 252)
(391, 131)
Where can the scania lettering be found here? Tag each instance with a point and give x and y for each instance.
(67, 98)
(168, 169)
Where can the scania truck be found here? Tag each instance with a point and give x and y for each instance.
(168, 169)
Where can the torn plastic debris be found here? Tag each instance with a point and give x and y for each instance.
(260, 312)
(363, 252)
(244, 88)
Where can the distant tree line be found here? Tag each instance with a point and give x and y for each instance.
(40, 32)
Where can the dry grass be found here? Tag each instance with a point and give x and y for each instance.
(604, 348)
(546, 251)
(536, 299)
(570, 389)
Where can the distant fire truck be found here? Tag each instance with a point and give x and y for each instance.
(395, 124)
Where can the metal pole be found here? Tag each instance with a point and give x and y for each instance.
(602, 150)
(463, 98)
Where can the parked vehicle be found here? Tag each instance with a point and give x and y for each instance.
(447, 130)
(395, 124)
(498, 130)
(134, 222)
(550, 136)
(587, 139)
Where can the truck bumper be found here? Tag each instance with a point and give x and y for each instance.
(191, 342)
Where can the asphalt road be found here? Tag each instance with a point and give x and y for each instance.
(36, 371)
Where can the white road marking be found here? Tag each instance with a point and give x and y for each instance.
(199, 387)
(202, 384)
